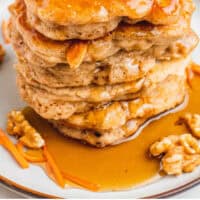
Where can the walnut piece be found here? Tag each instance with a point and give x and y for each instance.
(18, 126)
(164, 145)
(180, 153)
(2, 53)
(192, 121)
(173, 160)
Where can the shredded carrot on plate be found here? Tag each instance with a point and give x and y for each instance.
(30, 158)
(5, 141)
(4, 27)
(196, 68)
(81, 182)
(190, 75)
(54, 168)
(61, 176)
(22, 157)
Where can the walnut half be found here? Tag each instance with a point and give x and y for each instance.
(18, 126)
(180, 153)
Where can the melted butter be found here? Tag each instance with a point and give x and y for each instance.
(115, 167)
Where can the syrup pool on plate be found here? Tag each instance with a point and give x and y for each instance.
(116, 167)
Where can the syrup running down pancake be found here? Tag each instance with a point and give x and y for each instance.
(99, 69)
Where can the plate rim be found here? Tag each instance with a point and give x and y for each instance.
(28, 192)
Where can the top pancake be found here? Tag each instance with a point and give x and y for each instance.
(157, 41)
(79, 16)
(66, 12)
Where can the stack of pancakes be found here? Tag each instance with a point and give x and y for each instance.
(98, 69)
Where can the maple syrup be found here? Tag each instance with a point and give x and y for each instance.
(115, 167)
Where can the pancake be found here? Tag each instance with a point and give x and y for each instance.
(85, 19)
(155, 101)
(121, 68)
(91, 93)
(160, 42)
(116, 114)
(57, 106)
(97, 70)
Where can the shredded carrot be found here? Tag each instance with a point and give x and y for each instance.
(190, 76)
(48, 169)
(81, 182)
(5, 141)
(54, 168)
(33, 159)
(4, 34)
(22, 157)
(61, 176)
(196, 68)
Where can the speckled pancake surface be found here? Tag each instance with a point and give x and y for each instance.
(85, 19)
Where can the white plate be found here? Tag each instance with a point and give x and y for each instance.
(33, 181)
